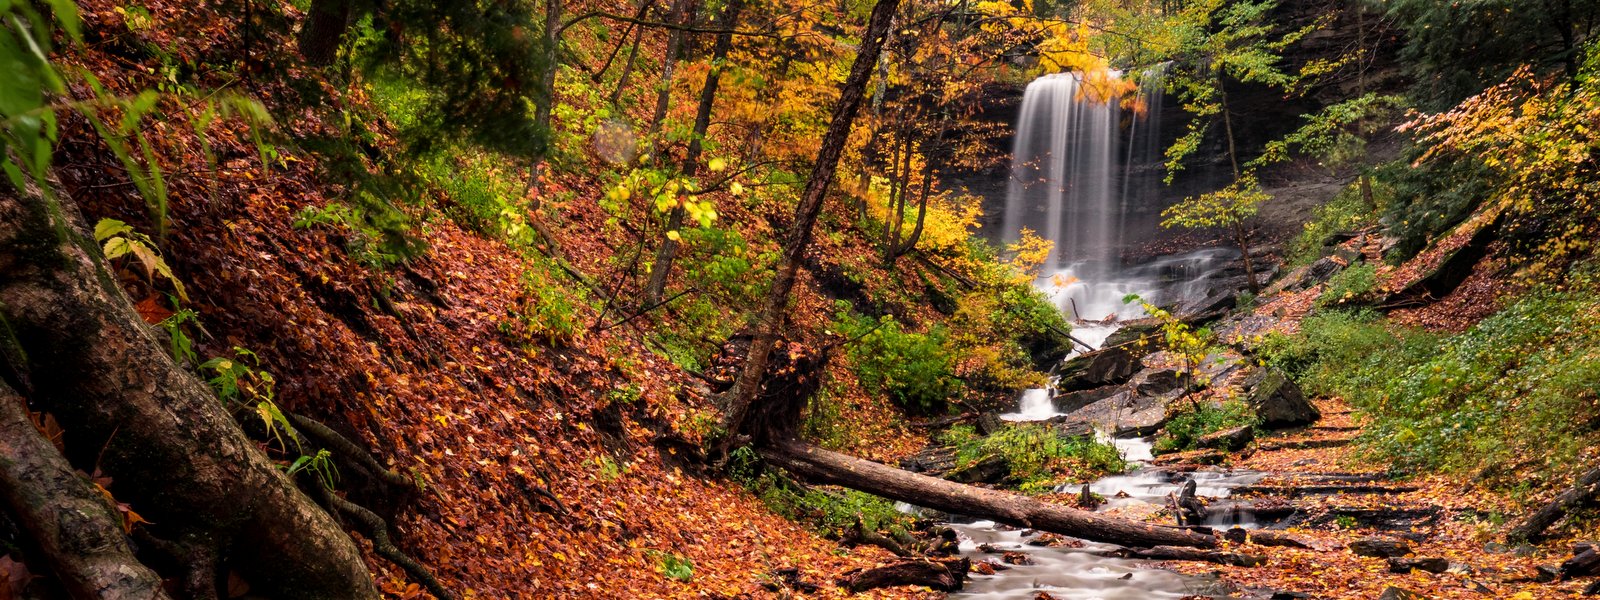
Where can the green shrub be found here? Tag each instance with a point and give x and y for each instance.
(1187, 427)
(1040, 458)
(830, 511)
(547, 312)
(913, 369)
(1351, 285)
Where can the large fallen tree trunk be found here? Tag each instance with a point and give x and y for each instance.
(75, 347)
(822, 466)
(77, 531)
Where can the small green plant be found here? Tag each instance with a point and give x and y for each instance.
(119, 240)
(1345, 522)
(320, 464)
(1039, 458)
(673, 566)
(547, 311)
(1189, 344)
(178, 342)
(608, 469)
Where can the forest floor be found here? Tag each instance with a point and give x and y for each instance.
(1438, 517)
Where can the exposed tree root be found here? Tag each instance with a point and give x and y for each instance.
(343, 448)
(79, 534)
(378, 531)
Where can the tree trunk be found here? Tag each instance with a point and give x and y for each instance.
(1242, 238)
(79, 534)
(748, 385)
(668, 250)
(547, 87)
(680, 17)
(177, 455)
(320, 36)
(822, 466)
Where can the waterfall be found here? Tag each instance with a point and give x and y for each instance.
(1081, 164)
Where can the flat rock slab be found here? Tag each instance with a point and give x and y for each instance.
(1380, 548)
(1406, 565)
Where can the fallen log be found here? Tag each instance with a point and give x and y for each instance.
(823, 466)
(942, 575)
(1532, 529)
(1233, 559)
(1584, 563)
(78, 533)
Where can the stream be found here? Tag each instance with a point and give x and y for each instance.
(1077, 573)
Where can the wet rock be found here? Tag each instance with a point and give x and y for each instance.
(1236, 535)
(1139, 337)
(989, 423)
(1394, 593)
(1287, 595)
(1406, 565)
(1156, 382)
(1214, 304)
(1232, 440)
(1593, 589)
(1043, 596)
(1072, 401)
(1380, 548)
(1279, 403)
(989, 549)
(1270, 538)
(989, 469)
(1103, 367)
(1479, 587)
(932, 460)
(1051, 540)
(983, 568)
(1016, 558)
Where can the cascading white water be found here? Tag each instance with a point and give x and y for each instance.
(1081, 164)
(1063, 169)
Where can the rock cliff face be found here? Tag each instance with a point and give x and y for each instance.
(1260, 114)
